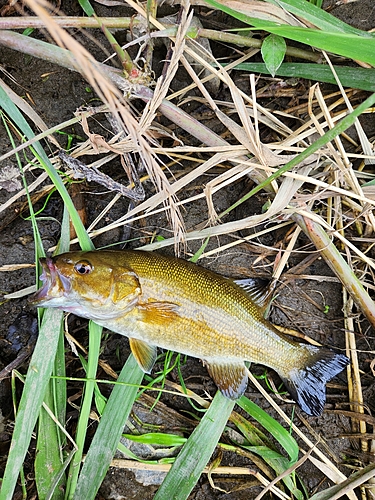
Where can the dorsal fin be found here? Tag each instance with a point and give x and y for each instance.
(259, 290)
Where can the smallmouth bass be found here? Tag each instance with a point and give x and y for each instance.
(171, 303)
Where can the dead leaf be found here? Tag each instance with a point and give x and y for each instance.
(9, 179)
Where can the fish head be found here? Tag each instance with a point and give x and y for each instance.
(89, 284)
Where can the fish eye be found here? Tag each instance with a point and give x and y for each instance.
(83, 267)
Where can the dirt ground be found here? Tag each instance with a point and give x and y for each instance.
(56, 94)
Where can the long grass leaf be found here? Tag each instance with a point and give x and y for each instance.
(95, 332)
(39, 358)
(44, 354)
(157, 439)
(109, 431)
(50, 441)
(48, 463)
(49, 460)
(15, 115)
(59, 388)
(318, 17)
(262, 446)
(355, 46)
(281, 435)
(37, 378)
(195, 454)
(278, 463)
(357, 78)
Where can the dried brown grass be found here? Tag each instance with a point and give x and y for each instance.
(328, 175)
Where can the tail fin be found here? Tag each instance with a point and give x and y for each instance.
(307, 386)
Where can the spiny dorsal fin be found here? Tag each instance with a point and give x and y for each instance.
(144, 353)
(259, 290)
(231, 377)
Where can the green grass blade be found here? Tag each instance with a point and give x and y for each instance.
(318, 17)
(109, 431)
(95, 332)
(15, 115)
(87, 7)
(49, 460)
(42, 361)
(352, 45)
(41, 364)
(157, 439)
(357, 78)
(37, 378)
(282, 436)
(276, 461)
(197, 451)
(59, 393)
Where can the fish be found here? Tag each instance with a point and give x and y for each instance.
(170, 303)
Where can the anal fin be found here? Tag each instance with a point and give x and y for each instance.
(144, 353)
(230, 377)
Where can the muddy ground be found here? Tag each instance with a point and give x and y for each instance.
(56, 94)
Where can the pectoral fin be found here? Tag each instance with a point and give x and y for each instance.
(158, 312)
(144, 353)
(231, 378)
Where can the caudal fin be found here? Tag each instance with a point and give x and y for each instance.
(307, 386)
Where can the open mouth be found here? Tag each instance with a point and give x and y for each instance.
(54, 283)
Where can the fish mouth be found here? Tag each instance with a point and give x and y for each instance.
(55, 284)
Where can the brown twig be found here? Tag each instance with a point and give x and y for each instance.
(92, 174)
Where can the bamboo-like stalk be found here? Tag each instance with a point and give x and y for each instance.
(354, 379)
(21, 23)
(13, 23)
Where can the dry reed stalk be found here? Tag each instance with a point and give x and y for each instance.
(162, 85)
(220, 470)
(354, 378)
(111, 96)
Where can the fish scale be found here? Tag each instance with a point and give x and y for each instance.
(226, 324)
(160, 301)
